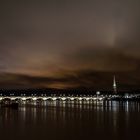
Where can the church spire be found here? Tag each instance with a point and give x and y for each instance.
(114, 85)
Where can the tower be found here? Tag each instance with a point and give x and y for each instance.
(114, 85)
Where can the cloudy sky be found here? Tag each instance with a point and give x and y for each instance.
(69, 43)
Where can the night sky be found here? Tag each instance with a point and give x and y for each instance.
(69, 43)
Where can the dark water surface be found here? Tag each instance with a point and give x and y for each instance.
(72, 121)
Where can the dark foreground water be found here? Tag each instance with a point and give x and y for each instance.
(72, 121)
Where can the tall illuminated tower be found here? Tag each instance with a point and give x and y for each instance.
(114, 85)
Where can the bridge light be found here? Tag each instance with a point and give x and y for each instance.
(98, 92)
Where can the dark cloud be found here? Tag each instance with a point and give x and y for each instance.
(78, 79)
(105, 59)
(57, 39)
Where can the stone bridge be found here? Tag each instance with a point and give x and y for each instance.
(52, 98)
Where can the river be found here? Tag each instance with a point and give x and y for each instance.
(110, 120)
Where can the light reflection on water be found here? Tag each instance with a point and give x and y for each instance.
(71, 120)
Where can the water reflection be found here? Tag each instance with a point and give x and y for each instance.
(51, 119)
